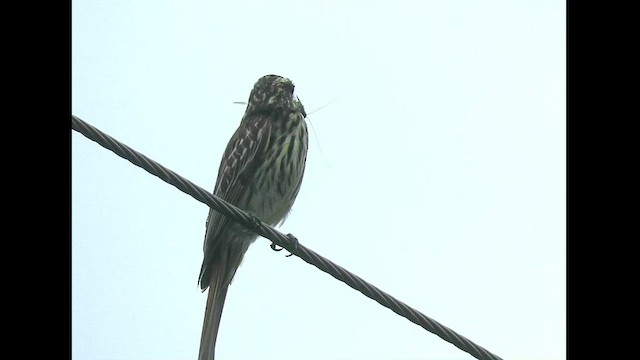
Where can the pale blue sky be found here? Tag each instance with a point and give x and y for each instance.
(441, 178)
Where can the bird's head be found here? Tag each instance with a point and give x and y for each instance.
(273, 92)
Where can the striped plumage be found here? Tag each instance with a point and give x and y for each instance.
(261, 172)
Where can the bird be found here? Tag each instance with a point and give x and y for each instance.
(260, 172)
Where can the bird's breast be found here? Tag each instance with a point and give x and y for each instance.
(280, 174)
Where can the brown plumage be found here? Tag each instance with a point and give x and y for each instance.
(260, 172)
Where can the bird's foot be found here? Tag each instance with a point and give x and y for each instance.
(274, 247)
(295, 243)
(257, 223)
(291, 238)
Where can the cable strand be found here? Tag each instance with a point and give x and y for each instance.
(292, 245)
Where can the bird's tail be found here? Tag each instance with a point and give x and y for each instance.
(215, 302)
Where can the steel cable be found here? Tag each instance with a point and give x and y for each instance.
(288, 242)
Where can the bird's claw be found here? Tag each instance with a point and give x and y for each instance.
(291, 238)
(295, 243)
(257, 223)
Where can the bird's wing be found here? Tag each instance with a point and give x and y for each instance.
(243, 155)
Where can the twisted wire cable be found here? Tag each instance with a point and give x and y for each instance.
(288, 242)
